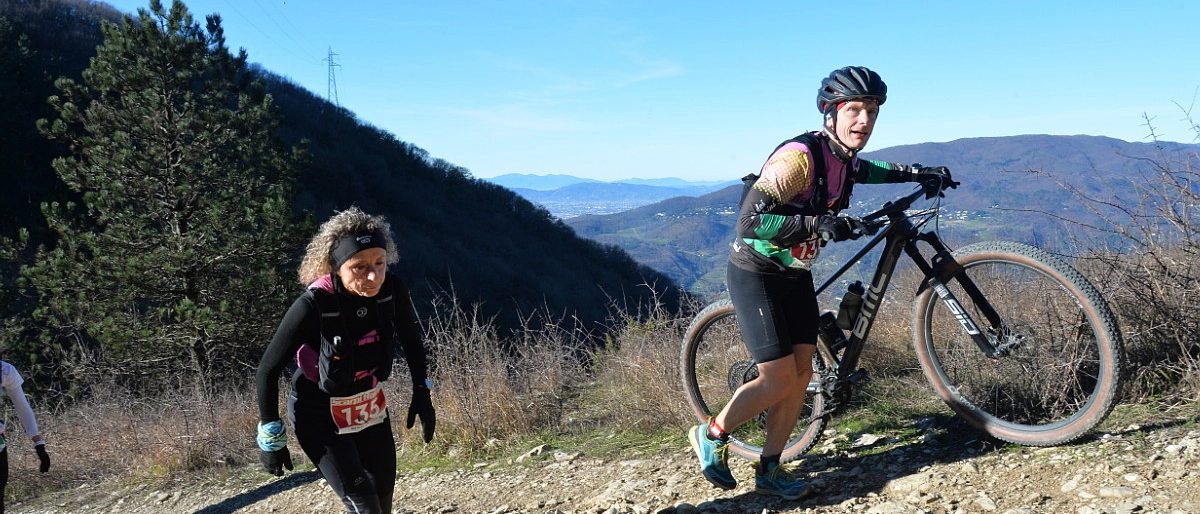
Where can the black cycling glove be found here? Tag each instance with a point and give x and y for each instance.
(838, 228)
(422, 406)
(275, 462)
(933, 176)
(43, 458)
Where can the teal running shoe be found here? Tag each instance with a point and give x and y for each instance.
(713, 457)
(778, 482)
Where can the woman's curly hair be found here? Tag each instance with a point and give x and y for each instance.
(350, 221)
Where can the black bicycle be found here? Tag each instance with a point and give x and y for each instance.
(1015, 340)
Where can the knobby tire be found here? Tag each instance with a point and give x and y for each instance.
(1061, 375)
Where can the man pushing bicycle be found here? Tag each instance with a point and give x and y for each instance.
(786, 215)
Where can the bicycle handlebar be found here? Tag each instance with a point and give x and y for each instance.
(928, 189)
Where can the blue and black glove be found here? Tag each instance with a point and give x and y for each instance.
(422, 406)
(272, 441)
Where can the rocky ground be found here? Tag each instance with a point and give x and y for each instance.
(1138, 469)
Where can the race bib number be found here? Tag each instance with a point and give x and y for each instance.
(354, 413)
(805, 253)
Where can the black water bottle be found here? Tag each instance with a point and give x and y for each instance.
(833, 336)
(851, 303)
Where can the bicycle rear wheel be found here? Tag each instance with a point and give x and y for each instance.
(714, 362)
(1060, 375)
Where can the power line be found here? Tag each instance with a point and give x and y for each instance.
(292, 49)
(302, 46)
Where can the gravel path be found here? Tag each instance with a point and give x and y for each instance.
(1142, 470)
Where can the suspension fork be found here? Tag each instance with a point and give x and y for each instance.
(940, 270)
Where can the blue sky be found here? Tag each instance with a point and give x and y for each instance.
(703, 90)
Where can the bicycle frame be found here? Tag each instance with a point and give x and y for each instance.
(900, 235)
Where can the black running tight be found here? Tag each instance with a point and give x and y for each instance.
(359, 467)
(3, 476)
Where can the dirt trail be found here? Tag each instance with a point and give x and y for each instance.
(1143, 470)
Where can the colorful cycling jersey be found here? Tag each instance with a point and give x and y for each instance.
(773, 233)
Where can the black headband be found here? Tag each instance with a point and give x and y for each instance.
(347, 246)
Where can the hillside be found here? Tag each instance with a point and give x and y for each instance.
(1009, 190)
(482, 244)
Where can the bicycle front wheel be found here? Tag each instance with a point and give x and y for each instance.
(1059, 371)
(714, 362)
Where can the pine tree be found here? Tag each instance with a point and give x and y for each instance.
(178, 254)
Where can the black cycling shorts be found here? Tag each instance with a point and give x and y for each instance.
(774, 311)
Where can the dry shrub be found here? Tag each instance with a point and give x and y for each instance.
(1151, 294)
(115, 433)
(637, 383)
(489, 388)
(1145, 261)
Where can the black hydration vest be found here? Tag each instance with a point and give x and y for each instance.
(339, 356)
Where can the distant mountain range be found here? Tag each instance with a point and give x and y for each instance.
(1010, 190)
(555, 181)
(566, 196)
